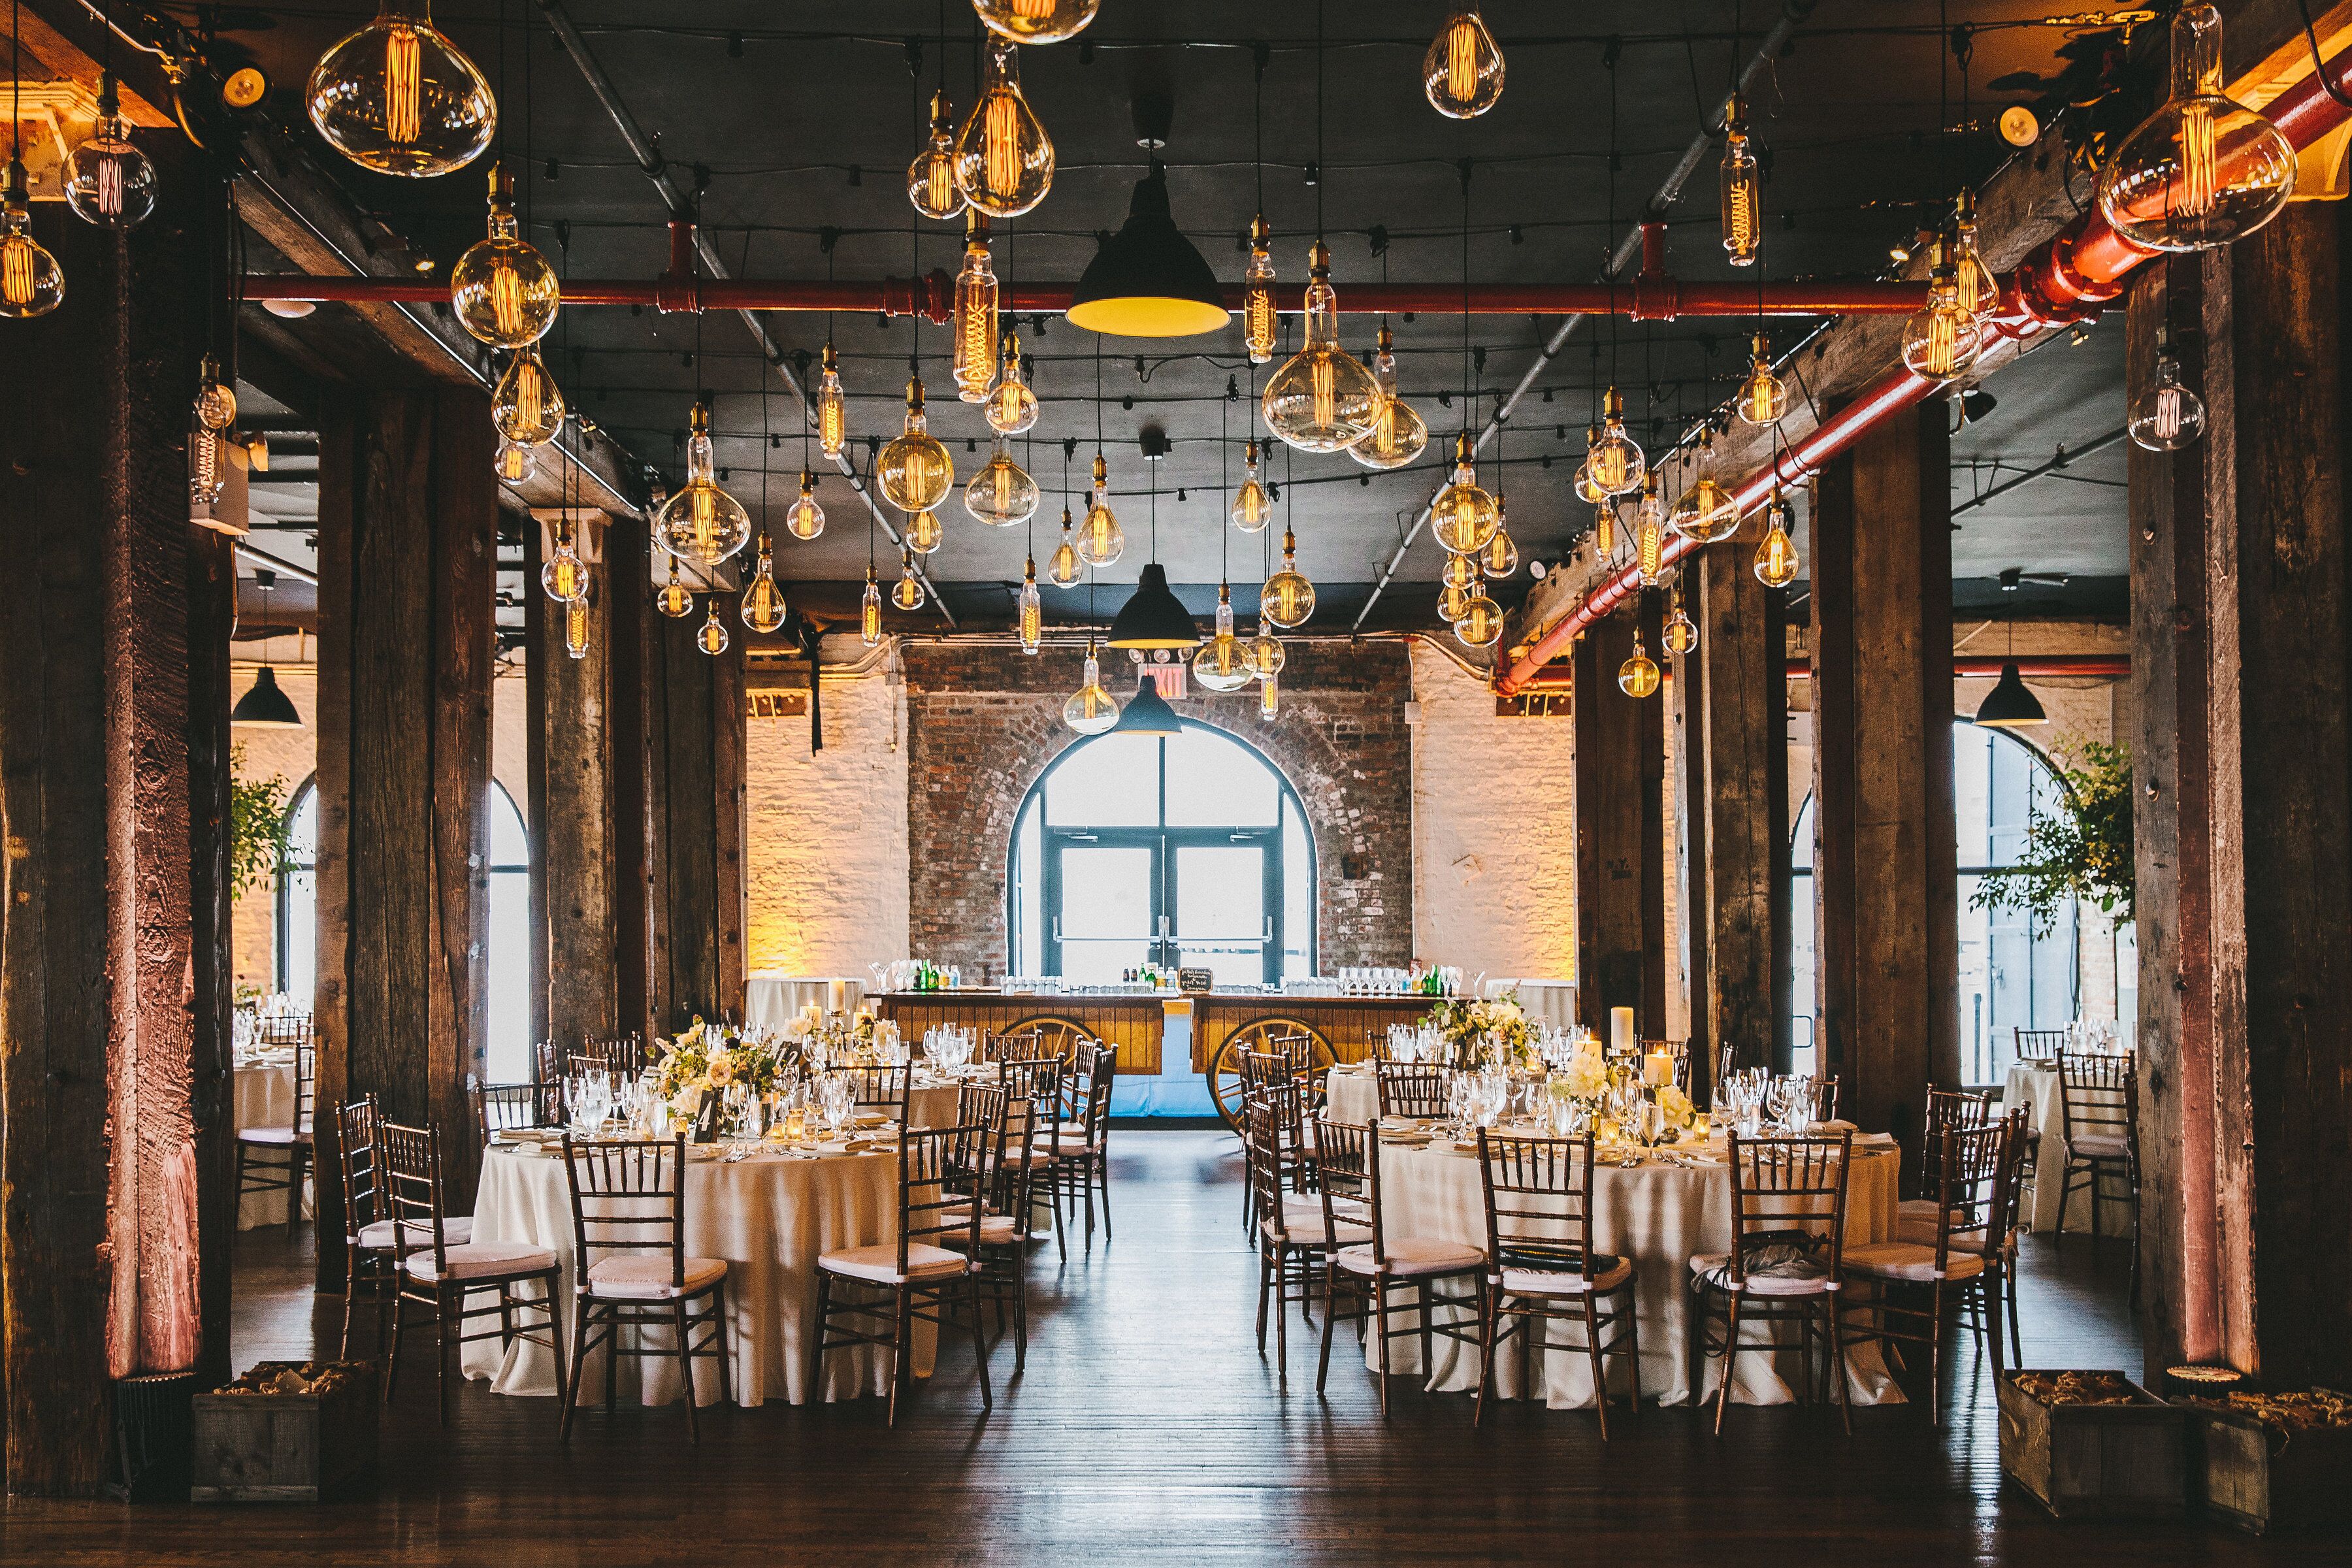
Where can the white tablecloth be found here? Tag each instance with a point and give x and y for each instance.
(2039, 1088)
(772, 1001)
(769, 1218)
(1550, 1001)
(264, 1097)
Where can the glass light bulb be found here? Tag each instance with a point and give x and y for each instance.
(1480, 623)
(576, 627)
(701, 522)
(1064, 569)
(1501, 556)
(1604, 530)
(1615, 463)
(914, 470)
(1453, 603)
(1269, 696)
(832, 411)
(1322, 398)
(1650, 532)
(1460, 570)
(1638, 676)
(399, 98)
(1288, 598)
(1463, 71)
(2203, 169)
(1743, 193)
(1001, 494)
(565, 576)
(924, 532)
(31, 281)
(208, 475)
(1708, 510)
(1267, 656)
(2168, 416)
(907, 593)
(1681, 634)
(1090, 710)
(1222, 663)
(108, 181)
(1029, 612)
(975, 316)
(1251, 509)
(1943, 340)
(502, 288)
(1763, 396)
(869, 612)
(763, 602)
(1398, 434)
(1463, 517)
(805, 519)
(1979, 290)
(1776, 558)
(1012, 406)
(1258, 323)
(1005, 160)
(713, 638)
(1101, 538)
(1037, 21)
(515, 462)
(215, 399)
(675, 600)
(526, 407)
(931, 177)
(1583, 484)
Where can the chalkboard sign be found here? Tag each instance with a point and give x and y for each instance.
(1195, 982)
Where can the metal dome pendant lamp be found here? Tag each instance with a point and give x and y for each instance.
(1153, 617)
(1149, 281)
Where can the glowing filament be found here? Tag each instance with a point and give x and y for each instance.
(1033, 620)
(110, 185)
(1002, 142)
(2169, 414)
(1323, 392)
(530, 396)
(1649, 544)
(575, 628)
(404, 87)
(1604, 531)
(1461, 60)
(506, 300)
(16, 270)
(2199, 168)
(1268, 698)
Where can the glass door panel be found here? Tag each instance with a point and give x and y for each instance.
(1221, 923)
(1106, 909)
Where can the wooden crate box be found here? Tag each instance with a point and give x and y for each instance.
(255, 1444)
(2265, 1477)
(2092, 1459)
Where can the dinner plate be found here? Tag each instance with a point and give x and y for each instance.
(1404, 1139)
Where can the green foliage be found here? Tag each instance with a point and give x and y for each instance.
(260, 844)
(2083, 850)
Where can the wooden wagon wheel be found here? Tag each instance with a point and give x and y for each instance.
(1055, 1035)
(1258, 1034)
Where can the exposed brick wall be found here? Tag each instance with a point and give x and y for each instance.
(983, 722)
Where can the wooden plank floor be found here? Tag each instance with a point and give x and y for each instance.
(1148, 1430)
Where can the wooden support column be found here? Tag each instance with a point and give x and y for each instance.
(1888, 935)
(695, 725)
(407, 534)
(114, 1076)
(1621, 892)
(626, 586)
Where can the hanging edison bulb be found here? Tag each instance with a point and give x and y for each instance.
(1650, 530)
(924, 532)
(1604, 530)
(1090, 710)
(712, 636)
(526, 407)
(31, 281)
(1222, 664)
(1005, 160)
(216, 398)
(576, 627)
(1101, 538)
(1258, 325)
(1614, 464)
(1398, 434)
(1941, 341)
(2203, 169)
(1001, 494)
(1266, 653)
(1269, 696)
(805, 519)
(1063, 568)
(908, 593)
(763, 602)
(565, 575)
(1460, 572)
(1501, 556)
(2168, 416)
(207, 476)
(1742, 189)
(1638, 677)
(399, 98)
(1453, 603)
(675, 600)
(1763, 396)
(1681, 634)
(1037, 21)
(701, 522)
(1586, 490)
(515, 462)
(108, 181)
(1251, 509)
(832, 411)
(1776, 558)
(869, 612)
(1480, 623)
(1029, 612)
(1288, 598)
(931, 177)
(1463, 517)
(1708, 510)
(1979, 290)
(1463, 71)
(1322, 399)
(1012, 406)
(502, 288)
(975, 314)
(914, 470)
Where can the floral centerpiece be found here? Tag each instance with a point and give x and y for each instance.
(1619, 1092)
(1493, 1033)
(711, 1055)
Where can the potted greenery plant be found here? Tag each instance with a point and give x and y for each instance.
(2083, 850)
(260, 840)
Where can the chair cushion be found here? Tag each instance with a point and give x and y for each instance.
(879, 1263)
(1413, 1257)
(2097, 1146)
(376, 1235)
(1607, 1273)
(1911, 1262)
(645, 1277)
(285, 1137)
(1923, 1233)
(1785, 1267)
(1304, 1227)
(482, 1260)
(998, 1230)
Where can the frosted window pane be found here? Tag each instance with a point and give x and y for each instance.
(510, 845)
(1112, 780)
(1215, 782)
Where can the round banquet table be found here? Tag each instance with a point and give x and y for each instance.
(1660, 1216)
(2037, 1087)
(769, 1217)
(264, 1091)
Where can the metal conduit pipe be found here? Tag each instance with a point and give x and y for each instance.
(1971, 667)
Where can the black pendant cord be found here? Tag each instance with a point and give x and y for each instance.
(1608, 259)
(1098, 397)
(1319, 122)
(1470, 390)
(16, 82)
(1257, 115)
(1224, 488)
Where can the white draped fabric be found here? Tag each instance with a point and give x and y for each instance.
(264, 1097)
(2038, 1087)
(773, 1001)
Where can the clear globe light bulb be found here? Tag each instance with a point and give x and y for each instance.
(1501, 556)
(1464, 517)
(1942, 340)
(515, 462)
(1480, 623)
(1065, 570)
(1322, 399)
(805, 519)
(701, 523)
(1708, 510)
(1090, 710)
(399, 98)
(1604, 530)
(931, 177)
(1681, 634)
(763, 602)
(1012, 406)
(1101, 538)
(675, 600)
(1222, 663)
(1776, 558)
(2203, 169)
(1029, 610)
(1251, 509)
(564, 577)
(1463, 71)
(2170, 415)
(216, 398)
(914, 470)
(1288, 598)
(526, 407)
(1037, 21)
(1267, 656)
(1979, 289)
(1459, 572)
(1742, 191)
(1398, 434)
(712, 636)
(1638, 677)
(1763, 396)
(907, 591)
(1001, 494)
(502, 288)
(869, 612)
(31, 281)
(1258, 321)
(1586, 487)
(1453, 603)
(1615, 463)
(1005, 160)
(975, 315)
(832, 409)
(925, 532)
(108, 181)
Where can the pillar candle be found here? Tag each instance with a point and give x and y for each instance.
(1657, 1069)
(838, 994)
(1621, 1029)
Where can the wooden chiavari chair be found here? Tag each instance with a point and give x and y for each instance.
(1959, 1111)
(929, 1272)
(628, 1201)
(2099, 1105)
(497, 1106)
(371, 1267)
(1678, 1053)
(2037, 1045)
(1038, 1080)
(258, 1169)
(1410, 1089)
(1787, 1239)
(1007, 1192)
(882, 1089)
(1294, 1237)
(624, 1056)
(436, 1271)
(1080, 1141)
(1357, 1278)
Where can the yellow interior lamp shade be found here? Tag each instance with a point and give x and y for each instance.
(1149, 281)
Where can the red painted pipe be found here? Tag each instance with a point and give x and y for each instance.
(2047, 667)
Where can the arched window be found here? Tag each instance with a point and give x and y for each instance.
(1189, 851)
(2016, 971)
(508, 967)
